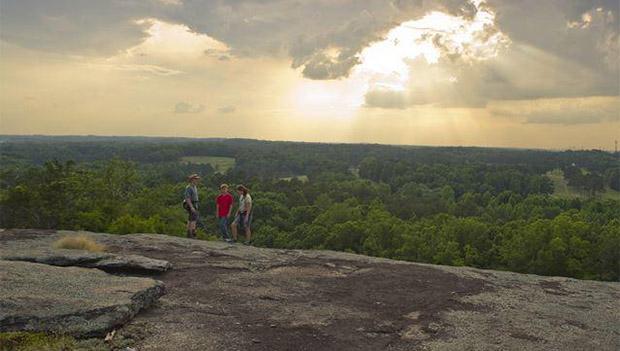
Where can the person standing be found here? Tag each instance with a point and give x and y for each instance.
(243, 217)
(223, 209)
(190, 203)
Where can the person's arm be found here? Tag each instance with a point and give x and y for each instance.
(188, 201)
(230, 207)
(247, 214)
(217, 210)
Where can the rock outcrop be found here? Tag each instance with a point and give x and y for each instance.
(234, 297)
(41, 251)
(103, 261)
(70, 300)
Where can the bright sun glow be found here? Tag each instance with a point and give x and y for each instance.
(385, 63)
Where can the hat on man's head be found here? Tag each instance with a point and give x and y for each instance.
(193, 176)
(224, 185)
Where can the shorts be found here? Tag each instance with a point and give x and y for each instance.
(240, 221)
(191, 216)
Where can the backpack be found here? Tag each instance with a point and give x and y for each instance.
(186, 206)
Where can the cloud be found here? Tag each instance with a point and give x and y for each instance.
(303, 30)
(563, 111)
(520, 71)
(184, 107)
(139, 68)
(74, 27)
(174, 42)
(558, 27)
(321, 66)
(227, 109)
(385, 98)
(602, 25)
(172, 2)
(560, 48)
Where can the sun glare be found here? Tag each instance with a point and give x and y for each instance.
(385, 63)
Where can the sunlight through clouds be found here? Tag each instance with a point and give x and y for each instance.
(432, 71)
(437, 35)
(168, 49)
(384, 75)
(175, 43)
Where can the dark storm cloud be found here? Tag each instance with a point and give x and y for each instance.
(75, 27)
(305, 29)
(545, 25)
(302, 29)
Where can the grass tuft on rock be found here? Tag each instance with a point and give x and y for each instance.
(36, 341)
(78, 242)
(24, 341)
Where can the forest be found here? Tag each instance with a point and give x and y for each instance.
(481, 207)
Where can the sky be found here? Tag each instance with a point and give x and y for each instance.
(501, 73)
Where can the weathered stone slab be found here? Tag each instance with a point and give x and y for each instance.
(80, 258)
(70, 300)
(32, 246)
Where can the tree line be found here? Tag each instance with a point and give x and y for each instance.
(497, 215)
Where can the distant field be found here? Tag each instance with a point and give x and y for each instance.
(301, 178)
(560, 185)
(220, 164)
(561, 188)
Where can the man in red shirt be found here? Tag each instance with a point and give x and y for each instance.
(223, 209)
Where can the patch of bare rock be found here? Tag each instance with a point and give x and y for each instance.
(70, 300)
(234, 297)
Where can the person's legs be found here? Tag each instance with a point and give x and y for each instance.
(220, 224)
(191, 229)
(191, 224)
(234, 228)
(224, 228)
(200, 224)
(248, 232)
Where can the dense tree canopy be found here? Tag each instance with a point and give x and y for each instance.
(487, 208)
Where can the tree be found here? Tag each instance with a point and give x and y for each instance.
(612, 177)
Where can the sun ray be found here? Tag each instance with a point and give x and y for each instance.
(385, 64)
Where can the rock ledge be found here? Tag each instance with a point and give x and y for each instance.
(70, 300)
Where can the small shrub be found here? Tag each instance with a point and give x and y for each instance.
(78, 242)
(128, 224)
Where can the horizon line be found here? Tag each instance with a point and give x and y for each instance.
(215, 138)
